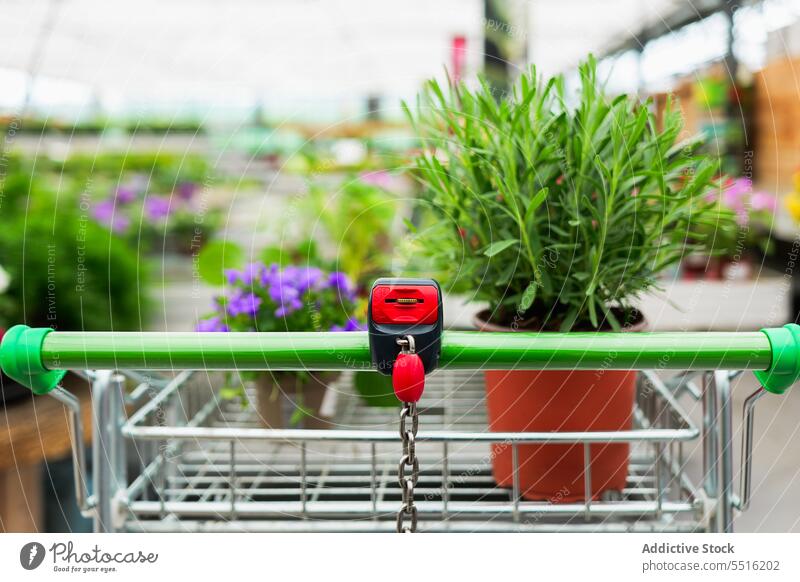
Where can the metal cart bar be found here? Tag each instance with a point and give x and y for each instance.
(464, 350)
(157, 433)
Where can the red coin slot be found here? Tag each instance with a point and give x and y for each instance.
(405, 304)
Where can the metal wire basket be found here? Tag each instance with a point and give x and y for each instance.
(186, 460)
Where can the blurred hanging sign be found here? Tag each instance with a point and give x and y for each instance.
(458, 57)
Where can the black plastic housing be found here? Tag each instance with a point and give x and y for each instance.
(383, 337)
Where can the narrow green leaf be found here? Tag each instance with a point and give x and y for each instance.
(528, 296)
(499, 246)
(535, 203)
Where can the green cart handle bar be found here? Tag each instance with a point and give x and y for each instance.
(39, 357)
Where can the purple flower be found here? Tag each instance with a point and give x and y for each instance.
(125, 195)
(301, 278)
(211, 324)
(157, 207)
(286, 297)
(285, 310)
(251, 273)
(241, 303)
(283, 293)
(351, 325)
(354, 325)
(341, 283)
(285, 290)
(105, 213)
(187, 190)
(270, 276)
(232, 276)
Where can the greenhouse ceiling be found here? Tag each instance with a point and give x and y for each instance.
(280, 54)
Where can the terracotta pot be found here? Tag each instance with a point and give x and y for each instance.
(277, 394)
(701, 267)
(560, 401)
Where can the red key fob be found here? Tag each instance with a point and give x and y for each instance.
(408, 377)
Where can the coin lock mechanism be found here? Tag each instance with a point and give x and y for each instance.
(399, 308)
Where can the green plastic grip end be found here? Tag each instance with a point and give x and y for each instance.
(785, 368)
(21, 359)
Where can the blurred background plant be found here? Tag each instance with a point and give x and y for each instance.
(68, 273)
(153, 200)
(754, 211)
(355, 223)
(178, 222)
(732, 252)
(98, 125)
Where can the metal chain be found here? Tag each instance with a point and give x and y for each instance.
(409, 459)
(408, 436)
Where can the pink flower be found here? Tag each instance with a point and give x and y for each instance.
(764, 201)
(733, 196)
(379, 178)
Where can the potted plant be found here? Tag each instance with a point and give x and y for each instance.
(293, 298)
(559, 210)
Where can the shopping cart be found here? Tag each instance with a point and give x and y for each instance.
(184, 459)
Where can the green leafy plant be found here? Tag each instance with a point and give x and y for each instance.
(356, 221)
(559, 209)
(68, 273)
(65, 271)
